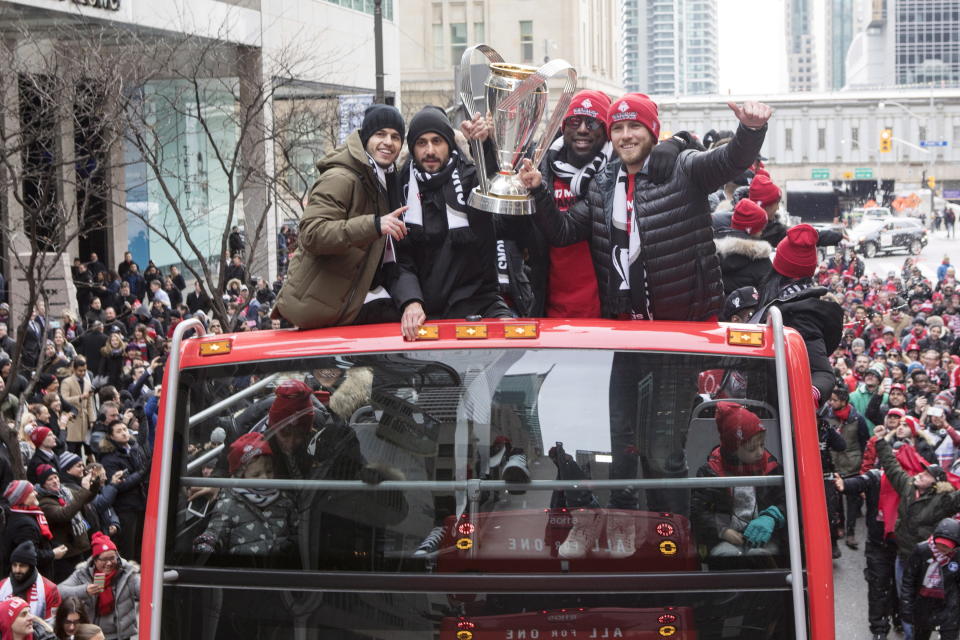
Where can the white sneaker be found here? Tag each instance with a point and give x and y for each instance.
(621, 535)
(516, 471)
(430, 544)
(582, 535)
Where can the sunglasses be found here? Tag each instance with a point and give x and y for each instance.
(574, 122)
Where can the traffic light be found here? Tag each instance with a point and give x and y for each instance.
(886, 140)
(931, 182)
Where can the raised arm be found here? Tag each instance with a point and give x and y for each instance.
(713, 169)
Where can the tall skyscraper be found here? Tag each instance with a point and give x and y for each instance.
(801, 55)
(906, 43)
(670, 46)
(839, 28)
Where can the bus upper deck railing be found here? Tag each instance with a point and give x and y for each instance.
(484, 485)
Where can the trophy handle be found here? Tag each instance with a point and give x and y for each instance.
(464, 82)
(534, 82)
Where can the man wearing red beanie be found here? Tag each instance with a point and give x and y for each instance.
(563, 280)
(44, 440)
(652, 245)
(768, 195)
(744, 257)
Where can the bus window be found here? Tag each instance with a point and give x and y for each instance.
(450, 463)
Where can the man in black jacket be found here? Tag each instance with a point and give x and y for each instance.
(446, 266)
(652, 245)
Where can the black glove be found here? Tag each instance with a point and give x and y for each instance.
(663, 158)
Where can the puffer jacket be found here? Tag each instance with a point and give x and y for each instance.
(918, 515)
(239, 527)
(122, 623)
(340, 247)
(676, 238)
(744, 261)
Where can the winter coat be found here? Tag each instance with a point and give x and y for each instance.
(60, 519)
(861, 399)
(239, 527)
(712, 509)
(744, 261)
(855, 434)
(340, 247)
(71, 389)
(122, 623)
(452, 272)
(918, 515)
(21, 527)
(673, 220)
(131, 494)
(98, 512)
(922, 610)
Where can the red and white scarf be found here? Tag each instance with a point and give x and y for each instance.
(933, 580)
(37, 513)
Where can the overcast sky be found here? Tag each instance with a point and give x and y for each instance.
(753, 50)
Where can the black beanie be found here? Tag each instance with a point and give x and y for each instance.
(430, 119)
(380, 116)
(25, 553)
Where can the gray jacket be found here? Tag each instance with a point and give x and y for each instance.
(122, 623)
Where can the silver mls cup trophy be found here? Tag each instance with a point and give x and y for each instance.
(516, 96)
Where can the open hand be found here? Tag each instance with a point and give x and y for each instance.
(752, 115)
(392, 225)
(529, 175)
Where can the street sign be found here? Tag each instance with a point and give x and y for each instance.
(820, 174)
(933, 143)
(863, 173)
(951, 194)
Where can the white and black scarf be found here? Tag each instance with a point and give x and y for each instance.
(628, 271)
(443, 190)
(579, 178)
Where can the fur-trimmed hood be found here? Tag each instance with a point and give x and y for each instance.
(745, 246)
(354, 392)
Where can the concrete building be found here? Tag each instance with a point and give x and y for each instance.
(436, 32)
(801, 52)
(836, 135)
(906, 43)
(670, 46)
(333, 40)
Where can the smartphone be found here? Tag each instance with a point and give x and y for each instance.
(99, 579)
(936, 412)
(887, 382)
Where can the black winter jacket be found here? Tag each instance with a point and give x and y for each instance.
(21, 527)
(676, 238)
(924, 611)
(448, 271)
(131, 494)
(744, 261)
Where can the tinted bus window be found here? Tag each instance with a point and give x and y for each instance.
(452, 463)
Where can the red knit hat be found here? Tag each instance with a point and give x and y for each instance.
(748, 217)
(100, 543)
(245, 448)
(763, 191)
(38, 435)
(593, 104)
(9, 610)
(797, 253)
(638, 107)
(291, 406)
(736, 425)
(913, 423)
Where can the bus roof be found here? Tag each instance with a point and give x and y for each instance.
(689, 337)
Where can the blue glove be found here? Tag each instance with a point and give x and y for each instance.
(760, 529)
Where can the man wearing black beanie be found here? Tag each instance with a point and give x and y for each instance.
(446, 266)
(25, 582)
(352, 217)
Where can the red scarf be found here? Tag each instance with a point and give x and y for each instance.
(726, 464)
(843, 414)
(105, 599)
(38, 514)
(932, 585)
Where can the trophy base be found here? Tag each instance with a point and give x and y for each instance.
(504, 205)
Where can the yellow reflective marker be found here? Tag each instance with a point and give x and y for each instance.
(520, 330)
(428, 332)
(667, 631)
(668, 547)
(741, 338)
(471, 331)
(215, 348)
(464, 544)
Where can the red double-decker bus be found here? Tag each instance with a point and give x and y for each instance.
(492, 479)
